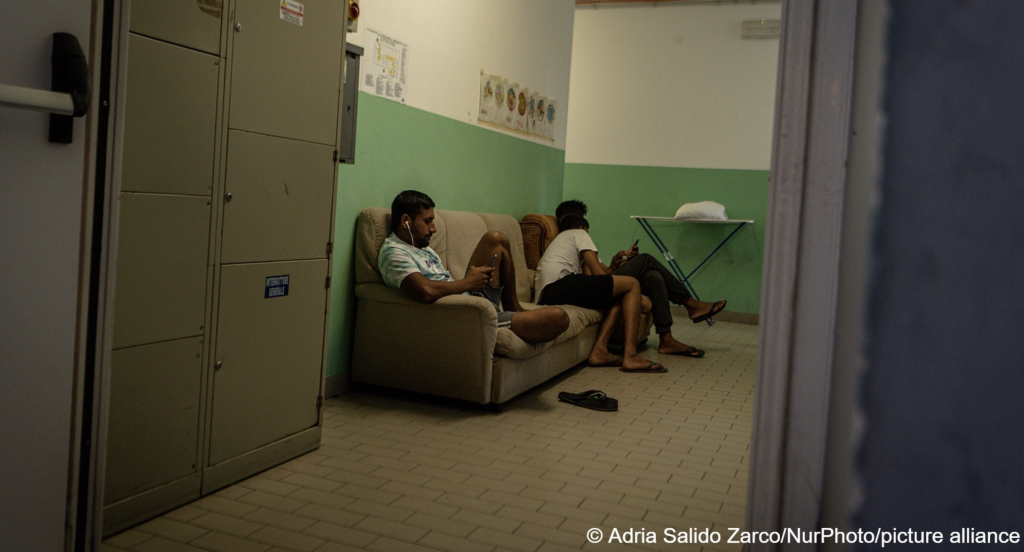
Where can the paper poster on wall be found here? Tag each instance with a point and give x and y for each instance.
(498, 110)
(384, 73)
(511, 102)
(537, 115)
(522, 105)
(488, 107)
(552, 115)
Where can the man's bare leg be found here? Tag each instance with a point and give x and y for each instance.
(491, 244)
(539, 325)
(628, 290)
(599, 353)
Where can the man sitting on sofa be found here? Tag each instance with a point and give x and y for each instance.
(570, 273)
(407, 262)
(658, 283)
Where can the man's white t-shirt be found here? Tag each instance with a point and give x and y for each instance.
(563, 257)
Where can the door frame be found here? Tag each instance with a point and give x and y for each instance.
(819, 211)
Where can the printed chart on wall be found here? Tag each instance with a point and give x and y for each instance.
(385, 71)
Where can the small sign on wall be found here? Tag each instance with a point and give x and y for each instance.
(292, 12)
(277, 286)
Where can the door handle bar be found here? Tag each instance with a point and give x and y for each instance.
(69, 93)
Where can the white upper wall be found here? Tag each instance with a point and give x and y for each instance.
(526, 41)
(671, 85)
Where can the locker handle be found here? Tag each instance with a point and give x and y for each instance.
(69, 93)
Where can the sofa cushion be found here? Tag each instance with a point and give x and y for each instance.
(510, 345)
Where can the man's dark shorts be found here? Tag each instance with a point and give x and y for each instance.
(581, 290)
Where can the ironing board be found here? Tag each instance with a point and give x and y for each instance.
(673, 265)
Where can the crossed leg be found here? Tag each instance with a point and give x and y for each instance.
(626, 291)
(532, 326)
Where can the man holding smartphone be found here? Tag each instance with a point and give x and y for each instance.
(660, 285)
(407, 262)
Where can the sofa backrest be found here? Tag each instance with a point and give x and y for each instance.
(538, 231)
(458, 233)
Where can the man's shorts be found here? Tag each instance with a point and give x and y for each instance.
(493, 294)
(581, 290)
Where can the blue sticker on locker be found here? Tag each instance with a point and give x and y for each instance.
(277, 286)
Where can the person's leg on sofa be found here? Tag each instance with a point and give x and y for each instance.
(540, 325)
(495, 243)
(645, 263)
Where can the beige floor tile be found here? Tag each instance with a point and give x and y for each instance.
(171, 530)
(442, 541)
(226, 524)
(505, 540)
(219, 542)
(288, 540)
(160, 544)
(281, 520)
(402, 472)
(128, 539)
(342, 535)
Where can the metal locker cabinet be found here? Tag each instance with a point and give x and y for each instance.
(281, 193)
(153, 434)
(161, 268)
(286, 78)
(170, 119)
(191, 23)
(270, 351)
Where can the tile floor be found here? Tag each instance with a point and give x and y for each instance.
(400, 472)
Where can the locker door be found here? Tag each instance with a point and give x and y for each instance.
(281, 194)
(154, 416)
(286, 69)
(191, 23)
(170, 119)
(161, 268)
(270, 347)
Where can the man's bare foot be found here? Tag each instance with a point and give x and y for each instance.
(640, 364)
(702, 310)
(669, 346)
(603, 359)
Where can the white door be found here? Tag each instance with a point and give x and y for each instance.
(42, 193)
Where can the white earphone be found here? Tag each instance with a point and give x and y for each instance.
(412, 240)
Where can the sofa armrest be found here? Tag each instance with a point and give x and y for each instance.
(443, 348)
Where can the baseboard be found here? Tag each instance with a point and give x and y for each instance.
(725, 316)
(336, 385)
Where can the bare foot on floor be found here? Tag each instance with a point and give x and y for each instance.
(641, 365)
(604, 359)
(668, 345)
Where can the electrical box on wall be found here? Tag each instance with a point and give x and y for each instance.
(761, 28)
(349, 105)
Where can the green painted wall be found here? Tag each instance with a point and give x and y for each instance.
(460, 166)
(614, 192)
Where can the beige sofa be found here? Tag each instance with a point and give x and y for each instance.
(453, 347)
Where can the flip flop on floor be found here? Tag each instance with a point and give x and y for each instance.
(593, 399)
(652, 368)
(715, 309)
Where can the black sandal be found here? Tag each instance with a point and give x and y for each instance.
(593, 399)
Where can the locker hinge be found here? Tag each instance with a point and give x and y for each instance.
(335, 156)
(319, 402)
(327, 283)
(330, 247)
